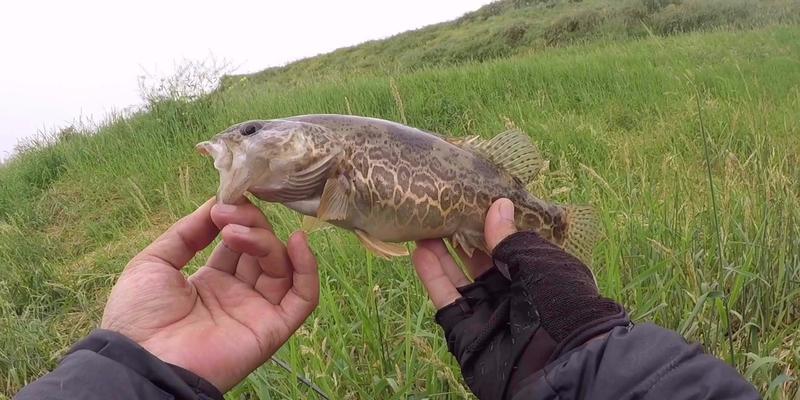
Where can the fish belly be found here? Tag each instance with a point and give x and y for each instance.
(391, 225)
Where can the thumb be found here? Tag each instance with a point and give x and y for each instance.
(499, 222)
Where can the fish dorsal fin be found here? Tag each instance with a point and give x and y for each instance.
(512, 150)
(333, 204)
(381, 248)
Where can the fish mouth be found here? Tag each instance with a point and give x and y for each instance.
(204, 148)
(234, 176)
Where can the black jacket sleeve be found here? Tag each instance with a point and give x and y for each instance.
(637, 362)
(107, 365)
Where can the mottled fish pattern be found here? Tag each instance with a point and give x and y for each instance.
(391, 183)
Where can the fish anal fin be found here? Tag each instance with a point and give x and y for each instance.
(381, 248)
(311, 224)
(466, 243)
(333, 203)
(583, 232)
(512, 150)
(466, 248)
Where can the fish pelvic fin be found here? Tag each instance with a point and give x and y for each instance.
(381, 248)
(582, 233)
(333, 204)
(311, 224)
(512, 151)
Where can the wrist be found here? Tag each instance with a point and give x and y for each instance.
(192, 360)
(560, 286)
(563, 291)
(124, 351)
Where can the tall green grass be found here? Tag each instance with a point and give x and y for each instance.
(620, 122)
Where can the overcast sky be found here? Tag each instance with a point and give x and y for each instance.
(63, 59)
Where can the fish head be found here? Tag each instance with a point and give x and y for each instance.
(254, 153)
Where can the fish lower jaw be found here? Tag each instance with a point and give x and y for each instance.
(230, 198)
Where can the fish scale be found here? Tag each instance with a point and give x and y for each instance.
(391, 183)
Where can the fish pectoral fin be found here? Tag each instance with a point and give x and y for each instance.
(311, 224)
(512, 150)
(381, 248)
(306, 182)
(333, 203)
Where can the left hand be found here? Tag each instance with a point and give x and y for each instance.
(231, 315)
(504, 331)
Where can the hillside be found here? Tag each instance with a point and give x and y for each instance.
(512, 27)
(618, 117)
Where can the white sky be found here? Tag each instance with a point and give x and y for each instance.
(63, 59)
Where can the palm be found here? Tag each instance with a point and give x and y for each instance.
(232, 314)
(440, 273)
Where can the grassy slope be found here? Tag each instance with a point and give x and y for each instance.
(619, 122)
(514, 27)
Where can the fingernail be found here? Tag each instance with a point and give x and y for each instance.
(507, 210)
(226, 208)
(240, 229)
(299, 234)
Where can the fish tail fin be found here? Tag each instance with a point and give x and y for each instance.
(582, 233)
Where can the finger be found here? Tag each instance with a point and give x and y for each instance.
(246, 214)
(223, 259)
(478, 264)
(182, 240)
(449, 265)
(430, 271)
(269, 256)
(303, 297)
(499, 222)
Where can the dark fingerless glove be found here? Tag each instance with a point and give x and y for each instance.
(503, 331)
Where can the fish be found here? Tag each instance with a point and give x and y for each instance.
(391, 183)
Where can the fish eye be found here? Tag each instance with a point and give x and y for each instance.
(248, 129)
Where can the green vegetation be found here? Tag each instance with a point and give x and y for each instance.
(619, 120)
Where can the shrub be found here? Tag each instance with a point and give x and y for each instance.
(655, 5)
(514, 34)
(702, 15)
(190, 81)
(573, 26)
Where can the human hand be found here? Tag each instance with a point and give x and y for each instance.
(442, 276)
(231, 315)
(492, 325)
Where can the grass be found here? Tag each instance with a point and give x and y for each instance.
(620, 122)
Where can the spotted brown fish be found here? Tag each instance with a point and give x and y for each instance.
(391, 183)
